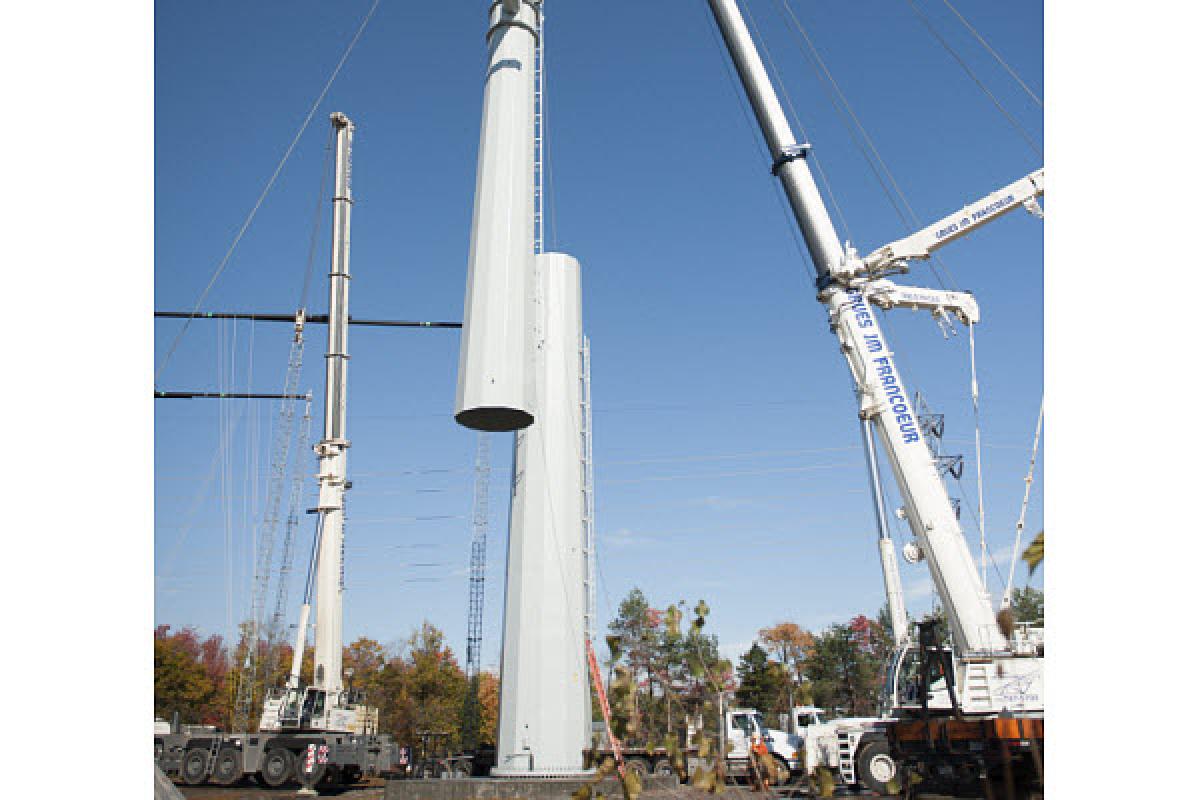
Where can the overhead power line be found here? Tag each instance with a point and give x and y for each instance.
(266, 189)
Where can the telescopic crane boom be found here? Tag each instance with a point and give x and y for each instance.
(882, 398)
(325, 705)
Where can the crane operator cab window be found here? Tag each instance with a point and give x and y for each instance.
(314, 706)
(291, 706)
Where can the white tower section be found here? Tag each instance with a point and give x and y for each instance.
(331, 450)
(494, 384)
(545, 711)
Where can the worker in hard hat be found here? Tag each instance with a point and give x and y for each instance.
(761, 758)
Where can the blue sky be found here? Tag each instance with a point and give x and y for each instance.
(728, 462)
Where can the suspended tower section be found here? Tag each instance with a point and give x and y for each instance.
(521, 369)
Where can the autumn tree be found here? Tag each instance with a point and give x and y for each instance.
(489, 707)
(191, 677)
(790, 645)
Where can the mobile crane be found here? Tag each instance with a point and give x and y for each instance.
(966, 713)
(323, 733)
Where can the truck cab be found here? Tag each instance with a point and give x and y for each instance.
(741, 725)
(788, 744)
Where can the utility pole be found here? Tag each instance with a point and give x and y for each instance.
(331, 450)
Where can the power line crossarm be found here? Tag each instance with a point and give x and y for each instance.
(315, 319)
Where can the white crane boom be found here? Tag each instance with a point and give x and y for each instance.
(894, 257)
(939, 302)
(882, 397)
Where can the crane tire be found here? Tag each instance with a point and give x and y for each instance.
(194, 769)
(276, 769)
(310, 778)
(639, 765)
(227, 770)
(875, 766)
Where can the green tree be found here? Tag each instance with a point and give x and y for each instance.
(762, 683)
(659, 670)
(1028, 604)
(846, 666)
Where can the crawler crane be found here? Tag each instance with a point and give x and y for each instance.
(973, 712)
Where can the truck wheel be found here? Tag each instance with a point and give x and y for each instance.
(639, 766)
(309, 778)
(228, 769)
(351, 775)
(875, 766)
(276, 767)
(195, 767)
(663, 767)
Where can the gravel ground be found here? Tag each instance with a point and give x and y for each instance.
(372, 790)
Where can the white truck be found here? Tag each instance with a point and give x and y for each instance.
(739, 726)
(854, 748)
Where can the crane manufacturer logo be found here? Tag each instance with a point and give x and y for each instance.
(897, 400)
(892, 390)
(1018, 689)
(975, 216)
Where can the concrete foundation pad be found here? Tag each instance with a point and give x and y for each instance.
(511, 788)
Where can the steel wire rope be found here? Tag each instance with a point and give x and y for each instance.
(995, 101)
(266, 190)
(911, 389)
(326, 169)
(795, 118)
(844, 110)
(198, 498)
(996, 55)
(758, 145)
(249, 482)
(842, 106)
(226, 478)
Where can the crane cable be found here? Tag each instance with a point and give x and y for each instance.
(796, 119)
(1006, 600)
(759, 147)
(983, 552)
(970, 73)
(995, 55)
(266, 190)
(860, 137)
